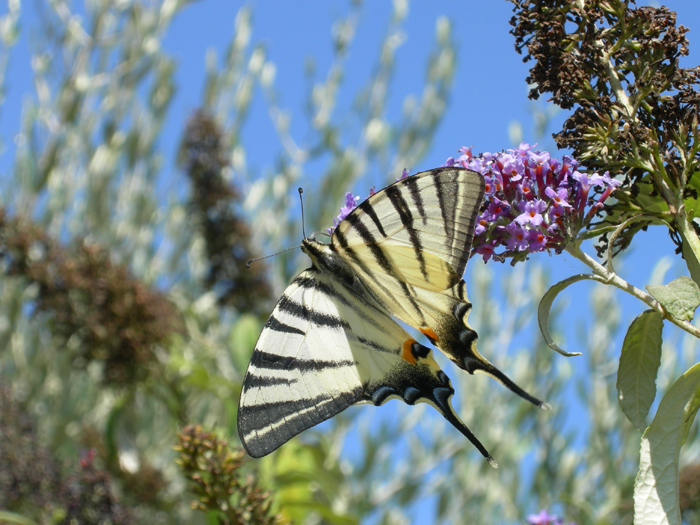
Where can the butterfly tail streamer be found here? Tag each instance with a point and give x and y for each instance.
(474, 364)
(417, 378)
(442, 404)
(453, 335)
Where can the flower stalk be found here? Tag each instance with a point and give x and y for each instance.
(610, 277)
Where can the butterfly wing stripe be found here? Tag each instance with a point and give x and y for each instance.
(271, 361)
(414, 191)
(381, 259)
(274, 324)
(258, 381)
(301, 311)
(401, 207)
(447, 194)
(376, 346)
(366, 206)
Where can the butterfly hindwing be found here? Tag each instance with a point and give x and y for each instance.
(302, 371)
(326, 346)
(414, 262)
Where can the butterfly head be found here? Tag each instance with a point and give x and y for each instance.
(327, 260)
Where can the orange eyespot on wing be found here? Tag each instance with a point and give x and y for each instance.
(407, 351)
(428, 332)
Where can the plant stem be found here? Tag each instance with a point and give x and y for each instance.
(685, 228)
(610, 277)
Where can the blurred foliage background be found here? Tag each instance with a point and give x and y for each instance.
(126, 312)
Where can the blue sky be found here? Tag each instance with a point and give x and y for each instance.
(489, 91)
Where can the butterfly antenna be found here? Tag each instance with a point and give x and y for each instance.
(250, 261)
(303, 230)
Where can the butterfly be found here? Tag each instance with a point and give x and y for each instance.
(332, 340)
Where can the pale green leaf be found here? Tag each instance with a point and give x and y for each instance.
(690, 410)
(639, 363)
(546, 305)
(242, 339)
(692, 262)
(680, 297)
(656, 486)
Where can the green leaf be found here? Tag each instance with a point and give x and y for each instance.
(656, 486)
(639, 364)
(649, 199)
(690, 410)
(692, 262)
(546, 305)
(242, 339)
(691, 201)
(596, 231)
(680, 297)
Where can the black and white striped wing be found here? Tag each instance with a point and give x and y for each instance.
(409, 244)
(431, 215)
(324, 348)
(303, 370)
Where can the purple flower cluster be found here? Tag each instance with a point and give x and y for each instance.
(533, 201)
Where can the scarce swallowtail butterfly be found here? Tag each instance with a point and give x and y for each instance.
(331, 341)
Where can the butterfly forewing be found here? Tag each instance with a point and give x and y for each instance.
(302, 371)
(433, 212)
(414, 262)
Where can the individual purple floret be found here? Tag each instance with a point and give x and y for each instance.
(350, 204)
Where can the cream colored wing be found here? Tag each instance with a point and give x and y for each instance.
(326, 346)
(409, 245)
(433, 212)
